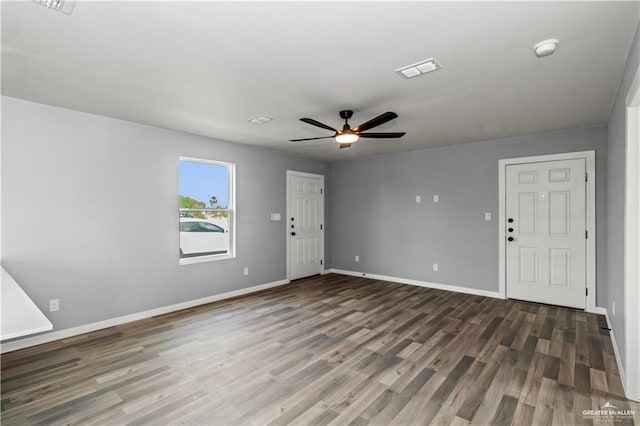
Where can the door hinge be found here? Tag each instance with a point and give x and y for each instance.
(586, 291)
(321, 191)
(321, 261)
(321, 227)
(586, 177)
(586, 234)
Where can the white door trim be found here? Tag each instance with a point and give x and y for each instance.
(288, 215)
(632, 240)
(590, 157)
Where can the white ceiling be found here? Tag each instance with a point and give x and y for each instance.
(208, 67)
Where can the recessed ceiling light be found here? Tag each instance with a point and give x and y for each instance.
(419, 68)
(261, 119)
(546, 47)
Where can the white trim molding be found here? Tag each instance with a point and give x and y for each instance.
(426, 284)
(87, 328)
(590, 158)
(621, 369)
(632, 240)
(231, 210)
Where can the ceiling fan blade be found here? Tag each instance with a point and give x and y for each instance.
(374, 122)
(317, 124)
(345, 145)
(310, 139)
(382, 135)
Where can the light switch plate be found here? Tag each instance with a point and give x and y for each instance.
(436, 198)
(487, 216)
(275, 217)
(418, 199)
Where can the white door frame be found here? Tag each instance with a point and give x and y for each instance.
(632, 240)
(590, 157)
(286, 221)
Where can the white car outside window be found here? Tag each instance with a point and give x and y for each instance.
(199, 237)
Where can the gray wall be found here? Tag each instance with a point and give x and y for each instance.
(89, 208)
(616, 194)
(375, 214)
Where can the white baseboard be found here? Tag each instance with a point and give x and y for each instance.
(623, 377)
(87, 328)
(600, 311)
(426, 284)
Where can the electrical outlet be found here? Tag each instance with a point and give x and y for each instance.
(246, 270)
(487, 216)
(436, 199)
(613, 308)
(54, 305)
(435, 267)
(418, 199)
(357, 258)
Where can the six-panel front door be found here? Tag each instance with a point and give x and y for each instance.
(546, 232)
(305, 225)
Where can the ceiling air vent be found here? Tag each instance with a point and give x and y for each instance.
(419, 68)
(64, 6)
(261, 119)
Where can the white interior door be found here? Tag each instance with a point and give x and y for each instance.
(546, 232)
(305, 225)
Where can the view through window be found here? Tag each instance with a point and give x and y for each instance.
(206, 196)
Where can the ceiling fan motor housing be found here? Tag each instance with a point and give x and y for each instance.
(346, 114)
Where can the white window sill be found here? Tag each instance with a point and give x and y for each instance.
(201, 259)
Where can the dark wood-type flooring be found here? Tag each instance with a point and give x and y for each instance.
(326, 350)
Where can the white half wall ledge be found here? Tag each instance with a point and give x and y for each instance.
(87, 328)
(19, 315)
(426, 284)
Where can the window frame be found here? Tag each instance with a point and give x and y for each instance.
(231, 209)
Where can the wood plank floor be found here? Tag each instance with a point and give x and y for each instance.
(326, 350)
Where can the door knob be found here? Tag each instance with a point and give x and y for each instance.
(510, 229)
(293, 233)
(510, 239)
(510, 220)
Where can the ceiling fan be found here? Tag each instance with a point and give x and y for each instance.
(347, 135)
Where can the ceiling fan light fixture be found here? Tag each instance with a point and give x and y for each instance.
(347, 135)
(349, 138)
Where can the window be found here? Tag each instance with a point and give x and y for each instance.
(206, 212)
